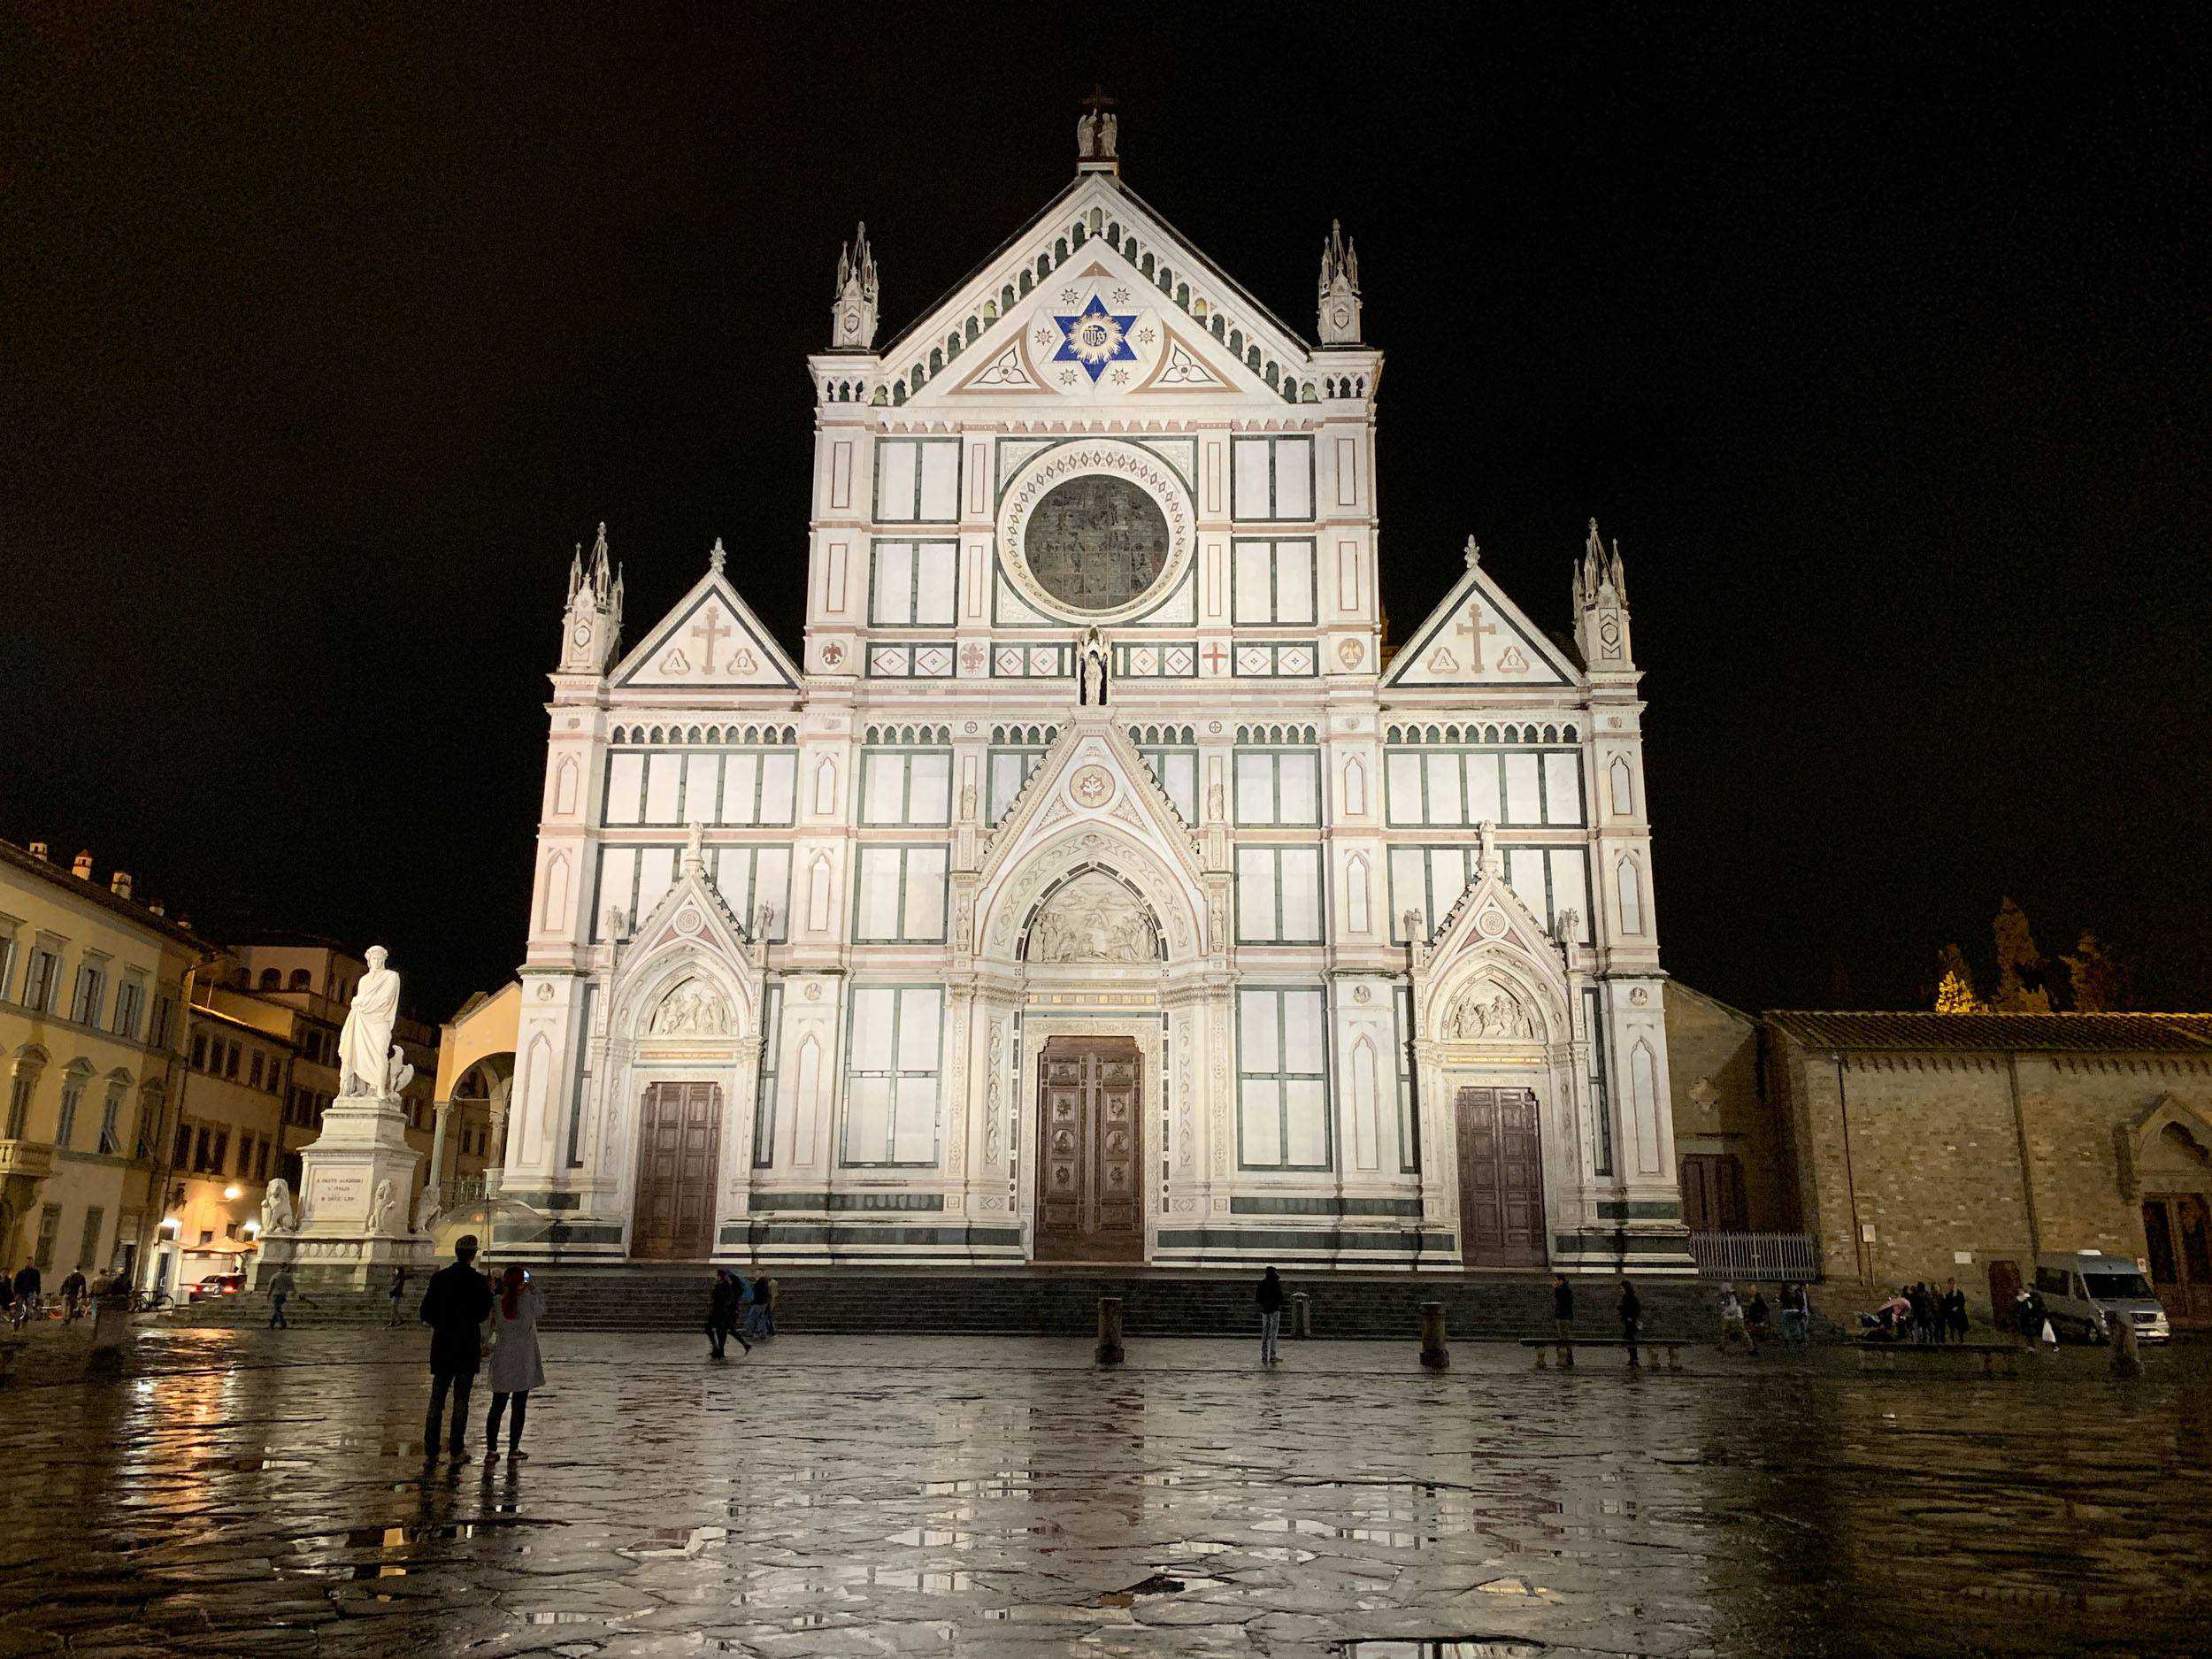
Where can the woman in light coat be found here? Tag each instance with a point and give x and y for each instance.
(517, 1367)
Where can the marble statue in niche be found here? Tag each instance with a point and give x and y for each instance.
(1096, 542)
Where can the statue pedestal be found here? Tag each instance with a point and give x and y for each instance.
(346, 1238)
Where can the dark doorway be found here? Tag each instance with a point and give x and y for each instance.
(1090, 1167)
(2178, 1242)
(2004, 1287)
(678, 1142)
(1501, 1178)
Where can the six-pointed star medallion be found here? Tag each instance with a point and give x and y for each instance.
(1094, 337)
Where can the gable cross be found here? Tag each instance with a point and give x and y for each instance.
(707, 632)
(1474, 628)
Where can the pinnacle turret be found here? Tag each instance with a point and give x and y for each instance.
(1340, 290)
(853, 312)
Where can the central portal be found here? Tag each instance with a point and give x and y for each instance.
(678, 1135)
(1090, 1192)
(1501, 1178)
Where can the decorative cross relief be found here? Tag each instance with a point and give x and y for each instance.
(1472, 630)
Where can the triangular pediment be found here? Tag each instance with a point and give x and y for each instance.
(1477, 636)
(709, 639)
(1162, 319)
(1092, 772)
(1493, 925)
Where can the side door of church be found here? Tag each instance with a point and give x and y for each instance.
(679, 1134)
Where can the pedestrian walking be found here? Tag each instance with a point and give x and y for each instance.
(72, 1294)
(27, 1285)
(453, 1307)
(1757, 1318)
(1632, 1318)
(1562, 1307)
(724, 1307)
(763, 1316)
(1269, 1297)
(517, 1365)
(280, 1293)
(399, 1289)
(1796, 1314)
(1955, 1312)
(1732, 1327)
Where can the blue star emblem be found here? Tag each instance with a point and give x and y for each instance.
(1094, 338)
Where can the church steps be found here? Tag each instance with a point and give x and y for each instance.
(1048, 1305)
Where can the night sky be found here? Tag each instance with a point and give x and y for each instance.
(1878, 338)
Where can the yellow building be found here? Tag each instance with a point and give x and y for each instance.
(229, 1141)
(93, 989)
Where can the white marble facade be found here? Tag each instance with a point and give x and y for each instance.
(1092, 737)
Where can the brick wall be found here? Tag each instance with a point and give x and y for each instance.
(1902, 1162)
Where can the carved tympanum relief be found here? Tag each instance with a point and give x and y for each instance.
(1093, 919)
(1488, 1010)
(693, 1008)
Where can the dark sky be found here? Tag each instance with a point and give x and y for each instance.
(1879, 338)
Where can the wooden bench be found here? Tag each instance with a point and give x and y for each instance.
(1669, 1347)
(1887, 1354)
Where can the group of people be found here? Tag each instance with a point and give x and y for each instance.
(740, 1307)
(1919, 1313)
(459, 1305)
(1751, 1321)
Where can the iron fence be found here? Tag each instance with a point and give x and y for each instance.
(1756, 1255)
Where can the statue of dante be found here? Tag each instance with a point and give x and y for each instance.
(364, 1045)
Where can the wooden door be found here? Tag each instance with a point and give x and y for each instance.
(2177, 1242)
(2004, 1288)
(1501, 1178)
(1090, 1143)
(678, 1146)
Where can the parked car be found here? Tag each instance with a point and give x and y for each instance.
(2085, 1291)
(215, 1284)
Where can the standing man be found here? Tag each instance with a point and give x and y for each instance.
(73, 1289)
(454, 1308)
(1269, 1297)
(1632, 1318)
(280, 1292)
(1562, 1307)
(27, 1285)
(399, 1289)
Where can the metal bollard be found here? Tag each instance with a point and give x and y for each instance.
(111, 1335)
(1435, 1355)
(2127, 1353)
(1108, 1351)
(1301, 1313)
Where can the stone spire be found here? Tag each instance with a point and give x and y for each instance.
(853, 313)
(593, 620)
(1340, 290)
(716, 558)
(1602, 606)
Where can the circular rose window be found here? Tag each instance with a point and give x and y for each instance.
(1095, 541)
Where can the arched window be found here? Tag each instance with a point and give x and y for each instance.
(302, 980)
(270, 978)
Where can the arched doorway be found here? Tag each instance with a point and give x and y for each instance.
(2173, 1167)
(1085, 940)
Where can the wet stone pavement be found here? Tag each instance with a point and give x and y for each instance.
(258, 1493)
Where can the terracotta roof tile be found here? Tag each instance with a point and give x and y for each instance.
(2107, 1033)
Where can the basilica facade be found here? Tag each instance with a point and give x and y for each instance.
(1093, 885)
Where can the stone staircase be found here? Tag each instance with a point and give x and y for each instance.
(1037, 1303)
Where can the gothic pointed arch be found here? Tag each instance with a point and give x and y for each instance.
(1491, 972)
(691, 968)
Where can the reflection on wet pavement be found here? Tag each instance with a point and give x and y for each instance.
(264, 1494)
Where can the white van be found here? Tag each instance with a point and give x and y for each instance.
(2084, 1291)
